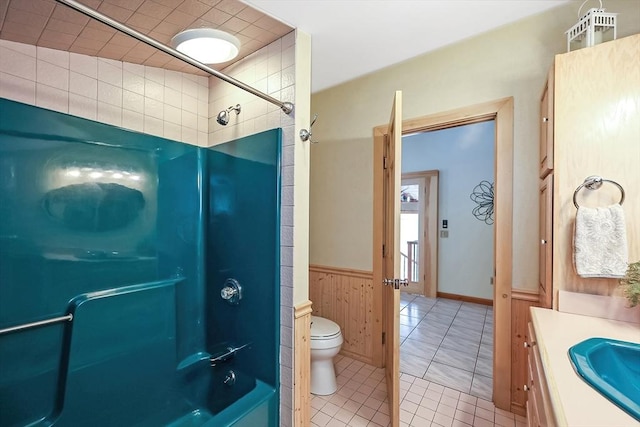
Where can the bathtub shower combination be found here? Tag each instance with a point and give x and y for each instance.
(139, 277)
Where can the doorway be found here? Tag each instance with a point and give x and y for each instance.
(418, 232)
(502, 112)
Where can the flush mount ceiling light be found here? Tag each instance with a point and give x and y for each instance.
(207, 45)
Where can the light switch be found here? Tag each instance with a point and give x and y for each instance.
(445, 223)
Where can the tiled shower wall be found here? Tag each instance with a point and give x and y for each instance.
(177, 106)
(271, 70)
(152, 100)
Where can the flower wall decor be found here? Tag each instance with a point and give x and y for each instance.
(483, 195)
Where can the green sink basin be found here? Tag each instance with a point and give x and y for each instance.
(612, 368)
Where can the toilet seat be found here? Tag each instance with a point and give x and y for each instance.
(324, 333)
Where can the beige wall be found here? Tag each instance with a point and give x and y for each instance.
(510, 61)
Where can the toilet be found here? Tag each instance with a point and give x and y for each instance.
(326, 340)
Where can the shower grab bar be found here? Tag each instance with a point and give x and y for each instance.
(286, 107)
(25, 326)
(230, 352)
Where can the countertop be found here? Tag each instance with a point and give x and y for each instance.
(574, 402)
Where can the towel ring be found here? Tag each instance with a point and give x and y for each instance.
(593, 183)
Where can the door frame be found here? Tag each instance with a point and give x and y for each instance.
(428, 253)
(501, 111)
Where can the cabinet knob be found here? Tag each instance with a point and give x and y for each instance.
(526, 345)
(545, 119)
(526, 388)
(543, 242)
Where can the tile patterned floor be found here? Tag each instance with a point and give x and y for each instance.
(448, 343)
(361, 400)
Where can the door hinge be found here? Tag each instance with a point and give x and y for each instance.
(385, 163)
(384, 250)
(384, 335)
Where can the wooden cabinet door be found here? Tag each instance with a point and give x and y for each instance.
(545, 288)
(546, 127)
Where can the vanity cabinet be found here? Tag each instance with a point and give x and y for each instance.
(539, 413)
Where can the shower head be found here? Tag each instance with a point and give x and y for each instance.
(223, 116)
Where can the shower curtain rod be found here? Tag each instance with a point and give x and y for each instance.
(286, 107)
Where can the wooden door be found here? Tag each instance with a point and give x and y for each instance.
(391, 263)
(427, 209)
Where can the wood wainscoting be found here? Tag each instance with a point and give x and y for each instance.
(302, 364)
(521, 301)
(346, 297)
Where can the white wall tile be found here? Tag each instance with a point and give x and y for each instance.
(25, 49)
(132, 101)
(136, 69)
(172, 131)
(109, 94)
(173, 80)
(52, 98)
(274, 63)
(203, 124)
(17, 63)
(154, 74)
(133, 82)
(273, 82)
(82, 106)
(109, 114)
(189, 103)
(189, 87)
(17, 89)
(189, 120)
(80, 84)
(189, 135)
(154, 90)
(288, 77)
(53, 56)
(110, 72)
(83, 64)
(172, 114)
(203, 139)
(153, 126)
(288, 57)
(173, 96)
(52, 75)
(203, 109)
(153, 108)
(133, 120)
(203, 93)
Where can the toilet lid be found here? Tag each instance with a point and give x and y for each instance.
(322, 328)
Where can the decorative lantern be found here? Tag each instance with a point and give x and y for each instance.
(591, 27)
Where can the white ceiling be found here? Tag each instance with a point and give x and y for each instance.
(351, 38)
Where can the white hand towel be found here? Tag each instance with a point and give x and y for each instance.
(600, 242)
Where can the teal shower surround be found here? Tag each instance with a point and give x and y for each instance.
(134, 236)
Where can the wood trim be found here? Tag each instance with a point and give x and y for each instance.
(524, 295)
(502, 111)
(465, 298)
(349, 272)
(346, 296)
(302, 364)
(377, 354)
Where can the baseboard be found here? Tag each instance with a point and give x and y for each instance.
(302, 364)
(356, 356)
(518, 409)
(465, 298)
